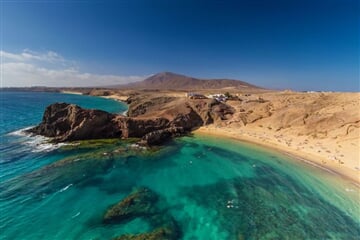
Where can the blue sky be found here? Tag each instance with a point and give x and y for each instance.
(302, 45)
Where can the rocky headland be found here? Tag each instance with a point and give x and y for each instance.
(152, 119)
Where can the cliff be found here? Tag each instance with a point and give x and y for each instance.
(69, 122)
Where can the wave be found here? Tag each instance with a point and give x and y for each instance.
(21, 132)
(65, 188)
(46, 147)
(36, 143)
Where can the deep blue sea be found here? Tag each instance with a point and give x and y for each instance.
(211, 188)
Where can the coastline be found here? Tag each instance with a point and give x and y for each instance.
(72, 92)
(317, 160)
(116, 98)
(324, 154)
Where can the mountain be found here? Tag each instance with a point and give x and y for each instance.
(168, 80)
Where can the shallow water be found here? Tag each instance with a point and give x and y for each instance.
(212, 188)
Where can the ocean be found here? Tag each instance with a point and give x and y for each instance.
(210, 188)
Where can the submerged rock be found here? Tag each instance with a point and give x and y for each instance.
(164, 228)
(143, 203)
(140, 203)
(162, 233)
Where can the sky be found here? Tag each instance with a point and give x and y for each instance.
(279, 44)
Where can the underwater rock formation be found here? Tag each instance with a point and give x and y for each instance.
(138, 204)
(162, 233)
(142, 203)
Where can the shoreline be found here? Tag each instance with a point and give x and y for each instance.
(72, 92)
(116, 98)
(315, 160)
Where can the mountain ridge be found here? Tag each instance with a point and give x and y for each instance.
(170, 81)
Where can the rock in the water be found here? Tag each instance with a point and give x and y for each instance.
(143, 204)
(162, 233)
(164, 228)
(140, 203)
(69, 122)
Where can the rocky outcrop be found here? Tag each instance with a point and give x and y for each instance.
(188, 119)
(139, 127)
(69, 122)
(152, 118)
(211, 111)
(160, 136)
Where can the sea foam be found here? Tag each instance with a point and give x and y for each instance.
(36, 143)
(21, 132)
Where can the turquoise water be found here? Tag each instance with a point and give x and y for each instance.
(19, 110)
(212, 188)
(23, 109)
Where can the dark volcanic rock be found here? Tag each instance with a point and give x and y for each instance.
(138, 127)
(68, 122)
(163, 118)
(160, 136)
(138, 204)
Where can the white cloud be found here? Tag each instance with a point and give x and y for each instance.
(30, 68)
(28, 55)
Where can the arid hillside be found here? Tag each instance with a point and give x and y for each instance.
(168, 80)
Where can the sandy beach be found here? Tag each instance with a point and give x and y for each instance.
(318, 152)
(72, 92)
(116, 98)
